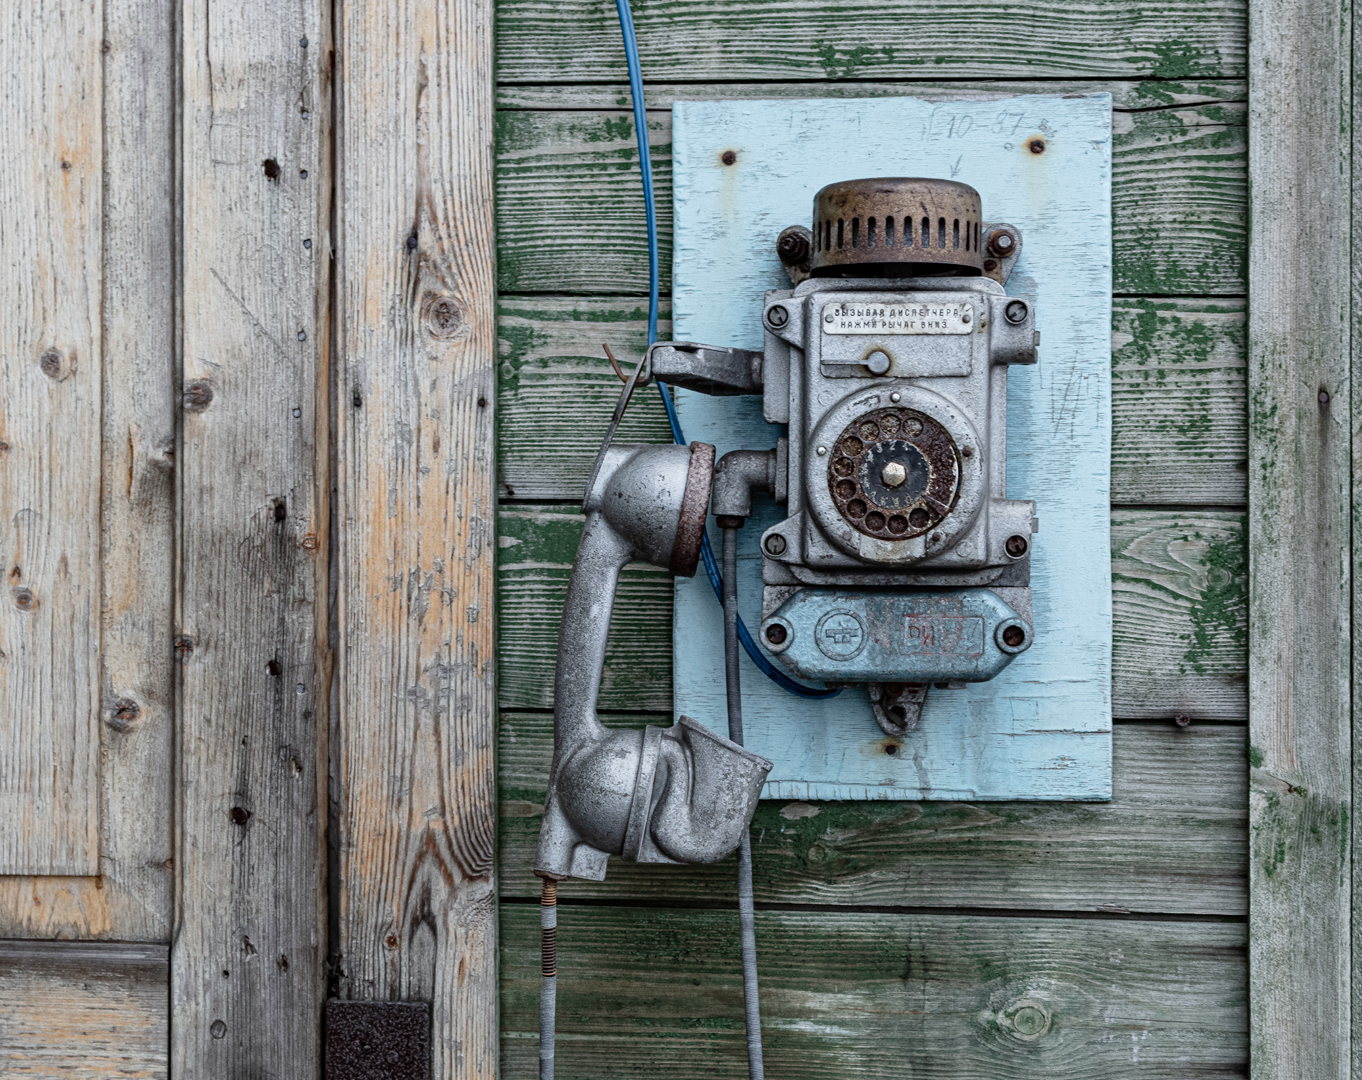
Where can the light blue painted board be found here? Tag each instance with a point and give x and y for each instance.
(1041, 730)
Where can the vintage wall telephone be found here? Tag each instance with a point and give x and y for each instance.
(901, 563)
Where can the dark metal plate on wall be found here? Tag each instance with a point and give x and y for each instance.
(377, 1040)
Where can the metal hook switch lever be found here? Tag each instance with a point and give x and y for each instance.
(710, 369)
(676, 795)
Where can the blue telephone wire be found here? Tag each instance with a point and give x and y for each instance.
(645, 160)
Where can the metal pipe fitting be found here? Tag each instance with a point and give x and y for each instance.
(737, 475)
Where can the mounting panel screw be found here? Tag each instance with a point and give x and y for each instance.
(777, 316)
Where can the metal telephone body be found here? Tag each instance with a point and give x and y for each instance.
(901, 562)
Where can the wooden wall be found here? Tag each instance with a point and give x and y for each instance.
(932, 940)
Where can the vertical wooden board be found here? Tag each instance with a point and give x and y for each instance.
(247, 963)
(51, 180)
(138, 489)
(83, 1012)
(417, 716)
(1355, 370)
(1300, 429)
(130, 899)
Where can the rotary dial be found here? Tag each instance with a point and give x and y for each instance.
(894, 473)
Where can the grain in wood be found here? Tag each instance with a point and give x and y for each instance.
(1128, 95)
(1179, 593)
(51, 383)
(1179, 419)
(83, 1012)
(417, 334)
(1300, 516)
(1173, 838)
(880, 995)
(570, 208)
(250, 939)
(705, 41)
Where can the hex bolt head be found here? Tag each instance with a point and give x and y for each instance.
(1001, 244)
(775, 544)
(792, 247)
(1016, 312)
(1016, 546)
(878, 362)
(777, 316)
(893, 474)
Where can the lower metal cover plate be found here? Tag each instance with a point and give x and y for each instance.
(857, 636)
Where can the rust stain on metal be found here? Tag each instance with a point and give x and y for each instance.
(869, 447)
(694, 507)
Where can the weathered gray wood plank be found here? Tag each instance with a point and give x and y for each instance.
(250, 942)
(1179, 590)
(1129, 95)
(416, 474)
(83, 1012)
(1178, 583)
(1355, 402)
(1299, 497)
(1173, 839)
(130, 898)
(1300, 431)
(51, 381)
(864, 995)
(1178, 413)
(570, 208)
(567, 41)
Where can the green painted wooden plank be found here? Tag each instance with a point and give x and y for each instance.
(1127, 95)
(566, 41)
(1173, 838)
(570, 207)
(649, 991)
(1178, 414)
(1178, 418)
(1178, 600)
(1179, 596)
(537, 547)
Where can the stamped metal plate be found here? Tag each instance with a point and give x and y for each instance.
(943, 317)
(897, 636)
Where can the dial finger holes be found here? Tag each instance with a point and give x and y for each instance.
(851, 446)
(846, 488)
(874, 520)
(870, 431)
(843, 467)
(856, 508)
(898, 524)
(918, 518)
